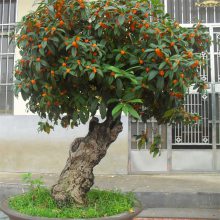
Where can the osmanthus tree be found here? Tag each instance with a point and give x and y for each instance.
(109, 56)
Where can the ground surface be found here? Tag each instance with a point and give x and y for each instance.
(139, 183)
(191, 196)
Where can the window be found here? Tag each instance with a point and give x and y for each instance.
(187, 12)
(7, 52)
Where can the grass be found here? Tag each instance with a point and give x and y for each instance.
(38, 202)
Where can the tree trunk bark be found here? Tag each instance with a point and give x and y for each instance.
(77, 177)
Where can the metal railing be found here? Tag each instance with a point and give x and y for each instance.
(188, 12)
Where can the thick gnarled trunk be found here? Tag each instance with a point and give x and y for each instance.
(77, 177)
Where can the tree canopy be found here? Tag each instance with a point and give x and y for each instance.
(78, 57)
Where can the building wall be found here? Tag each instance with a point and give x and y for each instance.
(23, 149)
(23, 7)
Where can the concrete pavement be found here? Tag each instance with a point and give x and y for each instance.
(194, 195)
(3, 217)
(186, 182)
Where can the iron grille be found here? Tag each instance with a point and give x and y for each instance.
(7, 52)
(187, 12)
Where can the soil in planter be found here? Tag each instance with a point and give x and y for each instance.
(39, 202)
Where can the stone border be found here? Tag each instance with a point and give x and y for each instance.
(13, 215)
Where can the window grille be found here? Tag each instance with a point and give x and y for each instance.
(187, 12)
(7, 52)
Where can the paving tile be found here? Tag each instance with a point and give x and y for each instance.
(178, 213)
(168, 219)
(3, 216)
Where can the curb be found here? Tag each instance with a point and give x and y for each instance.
(156, 205)
(197, 200)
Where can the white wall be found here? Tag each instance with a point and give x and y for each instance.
(23, 149)
(23, 7)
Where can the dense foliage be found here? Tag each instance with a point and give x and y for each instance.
(78, 57)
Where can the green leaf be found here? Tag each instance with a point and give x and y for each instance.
(51, 48)
(44, 63)
(133, 61)
(132, 111)
(24, 95)
(119, 87)
(154, 45)
(137, 137)
(169, 113)
(116, 31)
(113, 100)
(109, 8)
(47, 128)
(110, 80)
(176, 49)
(100, 73)
(74, 119)
(141, 144)
(56, 39)
(121, 19)
(136, 101)
(134, 67)
(129, 96)
(102, 109)
(44, 44)
(91, 76)
(35, 87)
(117, 115)
(64, 75)
(117, 109)
(171, 75)
(73, 51)
(97, 26)
(84, 116)
(155, 152)
(160, 83)
(125, 110)
(149, 50)
(118, 57)
(93, 106)
(152, 74)
(100, 32)
(42, 52)
(68, 46)
(121, 73)
(54, 83)
(162, 65)
(38, 66)
(174, 66)
(115, 69)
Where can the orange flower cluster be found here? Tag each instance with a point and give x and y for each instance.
(58, 6)
(81, 3)
(178, 95)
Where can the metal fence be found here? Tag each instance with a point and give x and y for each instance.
(187, 12)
